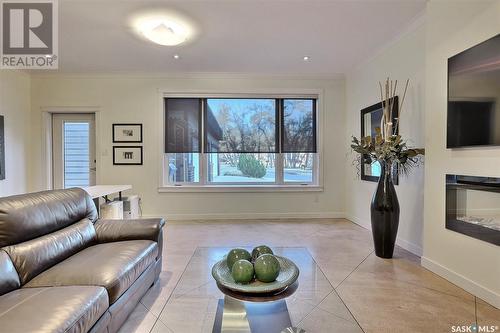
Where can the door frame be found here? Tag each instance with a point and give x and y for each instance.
(47, 144)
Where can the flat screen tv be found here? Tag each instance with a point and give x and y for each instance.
(474, 96)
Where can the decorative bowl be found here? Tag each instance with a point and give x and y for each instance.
(289, 273)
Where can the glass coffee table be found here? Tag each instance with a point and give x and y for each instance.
(198, 304)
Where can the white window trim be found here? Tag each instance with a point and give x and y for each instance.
(241, 188)
(315, 186)
(46, 139)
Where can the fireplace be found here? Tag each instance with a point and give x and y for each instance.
(473, 207)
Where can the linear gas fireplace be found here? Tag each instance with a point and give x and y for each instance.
(473, 207)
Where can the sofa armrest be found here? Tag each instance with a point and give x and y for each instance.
(121, 230)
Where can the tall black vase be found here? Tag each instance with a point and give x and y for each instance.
(385, 213)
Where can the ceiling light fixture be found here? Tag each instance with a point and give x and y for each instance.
(176, 56)
(306, 58)
(163, 30)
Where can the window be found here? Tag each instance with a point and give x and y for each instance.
(298, 167)
(76, 154)
(240, 141)
(183, 168)
(240, 125)
(241, 168)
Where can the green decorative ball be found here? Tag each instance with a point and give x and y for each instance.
(237, 254)
(242, 271)
(260, 250)
(267, 268)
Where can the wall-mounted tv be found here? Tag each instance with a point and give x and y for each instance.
(474, 96)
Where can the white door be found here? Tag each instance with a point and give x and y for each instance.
(73, 150)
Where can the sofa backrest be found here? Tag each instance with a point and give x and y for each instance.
(28, 216)
(9, 280)
(37, 255)
(38, 230)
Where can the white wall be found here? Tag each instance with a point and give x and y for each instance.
(402, 59)
(472, 264)
(136, 99)
(15, 107)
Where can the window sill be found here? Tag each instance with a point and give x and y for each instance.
(242, 188)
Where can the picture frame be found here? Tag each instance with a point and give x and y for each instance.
(127, 133)
(127, 155)
(2, 148)
(371, 117)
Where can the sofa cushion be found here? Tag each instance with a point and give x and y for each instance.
(114, 266)
(60, 309)
(9, 280)
(34, 256)
(27, 216)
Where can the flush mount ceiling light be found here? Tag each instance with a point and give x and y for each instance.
(163, 32)
(306, 58)
(163, 29)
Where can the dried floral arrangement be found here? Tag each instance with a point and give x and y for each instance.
(387, 146)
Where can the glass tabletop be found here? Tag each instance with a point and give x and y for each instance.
(196, 301)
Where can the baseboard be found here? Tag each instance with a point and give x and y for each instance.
(408, 246)
(362, 223)
(251, 216)
(472, 287)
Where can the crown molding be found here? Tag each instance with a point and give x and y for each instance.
(191, 75)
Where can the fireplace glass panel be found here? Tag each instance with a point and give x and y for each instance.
(473, 206)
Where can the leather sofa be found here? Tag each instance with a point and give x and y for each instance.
(64, 270)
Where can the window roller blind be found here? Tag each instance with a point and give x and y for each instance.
(182, 125)
(240, 125)
(298, 129)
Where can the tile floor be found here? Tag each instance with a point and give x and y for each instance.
(395, 295)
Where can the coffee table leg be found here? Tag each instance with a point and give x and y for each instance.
(234, 316)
